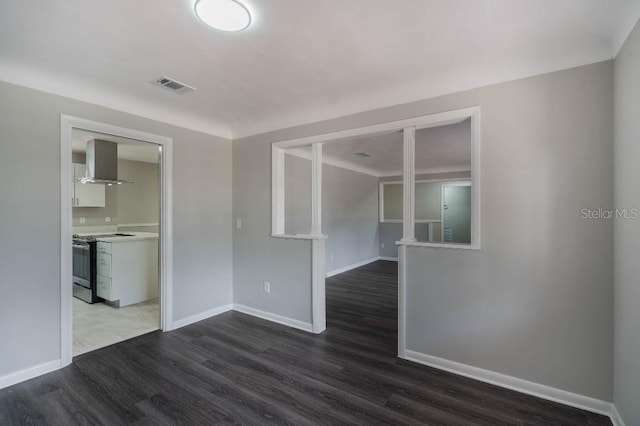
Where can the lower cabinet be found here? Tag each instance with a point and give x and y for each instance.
(104, 289)
(127, 271)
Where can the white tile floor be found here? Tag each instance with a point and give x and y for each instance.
(99, 325)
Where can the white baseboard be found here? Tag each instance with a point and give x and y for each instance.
(391, 259)
(29, 373)
(300, 325)
(352, 266)
(202, 316)
(615, 416)
(498, 379)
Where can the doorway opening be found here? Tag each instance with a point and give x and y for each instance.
(115, 235)
(414, 161)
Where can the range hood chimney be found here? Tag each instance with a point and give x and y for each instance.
(102, 163)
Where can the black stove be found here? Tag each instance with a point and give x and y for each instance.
(84, 268)
(87, 238)
(90, 238)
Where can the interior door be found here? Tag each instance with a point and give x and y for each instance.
(456, 214)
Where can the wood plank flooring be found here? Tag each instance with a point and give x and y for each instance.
(236, 369)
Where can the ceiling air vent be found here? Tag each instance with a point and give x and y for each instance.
(362, 154)
(173, 85)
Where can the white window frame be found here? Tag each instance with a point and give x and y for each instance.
(430, 222)
(382, 184)
(409, 127)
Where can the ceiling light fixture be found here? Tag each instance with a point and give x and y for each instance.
(224, 15)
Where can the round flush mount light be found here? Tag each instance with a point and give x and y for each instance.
(224, 15)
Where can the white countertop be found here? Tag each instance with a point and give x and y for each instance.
(134, 236)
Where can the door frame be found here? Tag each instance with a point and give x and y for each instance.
(408, 127)
(67, 124)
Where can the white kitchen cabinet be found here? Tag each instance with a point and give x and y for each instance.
(86, 194)
(105, 290)
(127, 270)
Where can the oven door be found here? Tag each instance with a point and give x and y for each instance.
(82, 264)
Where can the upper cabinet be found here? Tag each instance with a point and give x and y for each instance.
(86, 194)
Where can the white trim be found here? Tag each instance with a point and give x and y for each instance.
(476, 202)
(66, 251)
(352, 266)
(29, 373)
(166, 232)
(277, 190)
(390, 259)
(290, 322)
(202, 316)
(380, 202)
(616, 419)
(422, 122)
(520, 385)
(408, 185)
(316, 189)
(137, 225)
(67, 123)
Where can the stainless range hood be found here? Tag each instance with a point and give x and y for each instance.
(102, 163)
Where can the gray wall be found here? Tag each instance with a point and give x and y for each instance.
(627, 232)
(297, 195)
(257, 257)
(30, 220)
(536, 301)
(392, 201)
(349, 216)
(388, 234)
(349, 210)
(136, 202)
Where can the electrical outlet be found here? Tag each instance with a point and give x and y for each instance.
(238, 223)
(107, 219)
(382, 245)
(267, 287)
(83, 220)
(331, 256)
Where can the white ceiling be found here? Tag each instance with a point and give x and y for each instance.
(300, 61)
(438, 150)
(128, 149)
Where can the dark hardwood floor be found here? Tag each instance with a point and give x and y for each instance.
(236, 369)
